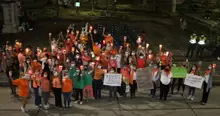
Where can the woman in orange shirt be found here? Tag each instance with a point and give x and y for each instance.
(45, 88)
(23, 89)
(67, 86)
(57, 89)
(98, 75)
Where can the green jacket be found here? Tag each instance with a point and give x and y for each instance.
(78, 84)
(87, 78)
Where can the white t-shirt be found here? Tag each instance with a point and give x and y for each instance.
(207, 78)
(135, 76)
(165, 79)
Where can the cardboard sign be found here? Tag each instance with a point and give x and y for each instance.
(144, 79)
(112, 79)
(194, 81)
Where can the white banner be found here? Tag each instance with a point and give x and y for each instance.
(194, 81)
(112, 79)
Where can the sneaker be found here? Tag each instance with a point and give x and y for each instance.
(45, 107)
(26, 110)
(192, 98)
(81, 103)
(22, 109)
(37, 106)
(76, 102)
(189, 97)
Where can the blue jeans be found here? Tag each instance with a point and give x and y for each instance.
(37, 100)
(66, 98)
(192, 91)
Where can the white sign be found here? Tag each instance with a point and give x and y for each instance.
(112, 79)
(77, 4)
(194, 81)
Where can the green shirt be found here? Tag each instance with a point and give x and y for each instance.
(78, 84)
(71, 73)
(87, 78)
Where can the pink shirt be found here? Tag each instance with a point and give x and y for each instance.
(21, 59)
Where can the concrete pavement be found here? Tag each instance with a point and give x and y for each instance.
(141, 106)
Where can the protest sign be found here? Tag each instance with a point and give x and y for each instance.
(144, 79)
(112, 79)
(194, 81)
(179, 72)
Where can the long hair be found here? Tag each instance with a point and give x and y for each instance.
(192, 69)
(78, 76)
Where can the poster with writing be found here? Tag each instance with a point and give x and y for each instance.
(144, 79)
(194, 81)
(112, 79)
(179, 72)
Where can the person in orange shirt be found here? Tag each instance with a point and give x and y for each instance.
(67, 86)
(56, 83)
(132, 81)
(23, 88)
(36, 85)
(45, 89)
(98, 81)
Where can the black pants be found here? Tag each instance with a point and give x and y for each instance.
(205, 94)
(79, 94)
(57, 95)
(133, 88)
(164, 89)
(190, 50)
(153, 91)
(180, 83)
(112, 92)
(200, 50)
(97, 88)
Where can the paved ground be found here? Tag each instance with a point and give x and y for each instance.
(141, 106)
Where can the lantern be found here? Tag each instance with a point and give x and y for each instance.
(64, 51)
(125, 38)
(147, 45)
(149, 56)
(97, 58)
(167, 53)
(90, 28)
(60, 67)
(77, 32)
(160, 47)
(81, 67)
(67, 31)
(139, 40)
(104, 42)
(111, 44)
(214, 65)
(127, 45)
(104, 70)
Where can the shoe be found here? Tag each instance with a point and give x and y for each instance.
(37, 106)
(22, 109)
(202, 103)
(76, 102)
(45, 107)
(26, 110)
(81, 103)
(192, 98)
(189, 97)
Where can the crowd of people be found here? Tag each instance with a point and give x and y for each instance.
(76, 63)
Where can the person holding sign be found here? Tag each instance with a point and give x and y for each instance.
(193, 71)
(165, 79)
(207, 85)
(112, 89)
(132, 82)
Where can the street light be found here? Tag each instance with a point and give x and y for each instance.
(77, 5)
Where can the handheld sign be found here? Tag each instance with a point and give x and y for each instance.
(179, 72)
(194, 81)
(112, 79)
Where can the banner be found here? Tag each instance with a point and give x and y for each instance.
(112, 79)
(194, 81)
(144, 79)
(179, 72)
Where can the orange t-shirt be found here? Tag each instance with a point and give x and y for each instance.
(67, 85)
(109, 39)
(164, 60)
(56, 82)
(36, 81)
(23, 87)
(45, 85)
(96, 50)
(98, 74)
